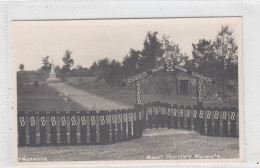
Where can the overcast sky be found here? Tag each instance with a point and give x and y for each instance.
(91, 40)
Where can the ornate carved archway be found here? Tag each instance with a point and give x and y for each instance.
(170, 66)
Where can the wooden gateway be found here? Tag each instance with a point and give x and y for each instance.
(170, 67)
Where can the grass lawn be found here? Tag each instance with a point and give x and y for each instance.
(43, 98)
(126, 95)
(165, 146)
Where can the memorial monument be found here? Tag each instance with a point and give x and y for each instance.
(52, 75)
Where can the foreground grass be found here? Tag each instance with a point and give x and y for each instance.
(165, 146)
(43, 98)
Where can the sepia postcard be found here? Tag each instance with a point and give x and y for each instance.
(128, 91)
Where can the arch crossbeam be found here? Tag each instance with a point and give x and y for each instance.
(142, 75)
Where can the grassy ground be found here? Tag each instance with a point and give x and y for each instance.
(126, 95)
(43, 98)
(166, 146)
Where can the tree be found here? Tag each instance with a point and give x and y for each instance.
(108, 70)
(93, 68)
(139, 61)
(46, 64)
(227, 55)
(204, 55)
(170, 49)
(151, 52)
(80, 71)
(151, 55)
(114, 73)
(102, 69)
(68, 63)
(21, 67)
(131, 63)
(58, 71)
(218, 58)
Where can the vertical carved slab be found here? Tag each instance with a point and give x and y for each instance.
(209, 120)
(172, 115)
(233, 122)
(181, 114)
(124, 124)
(163, 116)
(196, 118)
(104, 131)
(169, 109)
(185, 116)
(130, 123)
(140, 122)
(108, 125)
(88, 127)
(224, 122)
(83, 127)
(175, 116)
(43, 125)
(53, 128)
(216, 117)
(63, 127)
(156, 111)
(98, 123)
(119, 125)
(145, 107)
(135, 123)
(21, 128)
(201, 120)
(32, 128)
(113, 126)
(150, 115)
(93, 127)
(73, 128)
(188, 117)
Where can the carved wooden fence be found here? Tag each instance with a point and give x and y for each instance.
(43, 128)
(212, 121)
(84, 127)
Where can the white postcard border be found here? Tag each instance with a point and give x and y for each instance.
(89, 10)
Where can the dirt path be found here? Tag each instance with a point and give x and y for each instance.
(87, 100)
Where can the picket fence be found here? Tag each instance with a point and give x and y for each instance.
(43, 128)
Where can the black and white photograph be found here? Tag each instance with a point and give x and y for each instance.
(162, 90)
